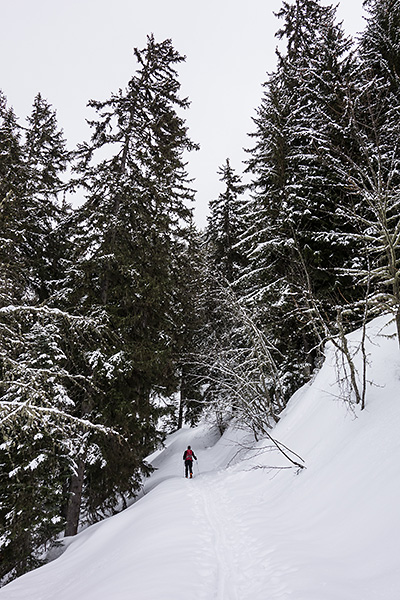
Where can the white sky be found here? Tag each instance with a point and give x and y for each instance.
(75, 50)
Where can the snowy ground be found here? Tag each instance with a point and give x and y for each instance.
(244, 530)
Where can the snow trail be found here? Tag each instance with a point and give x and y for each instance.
(236, 565)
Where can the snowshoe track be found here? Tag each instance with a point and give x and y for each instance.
(234, 565)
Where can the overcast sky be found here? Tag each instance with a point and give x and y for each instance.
(75, 50)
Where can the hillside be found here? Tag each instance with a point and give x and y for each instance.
(250, 526)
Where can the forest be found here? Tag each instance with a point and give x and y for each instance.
(121, 321)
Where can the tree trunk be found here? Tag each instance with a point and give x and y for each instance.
(398, 323)
(75, 498)
(180, 413)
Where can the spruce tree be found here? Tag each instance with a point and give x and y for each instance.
(296, 246)
(32, 402)
(379, 42)
(41, 436)
(129, 263)
(191, 397)
(372, 177)
(315, 72)
(14, 251)
(46, 159)
(225, 225)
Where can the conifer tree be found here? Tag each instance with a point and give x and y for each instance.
(379, 42)
(191, 397)
(14, 253)
(30, 182)
(298, 236)
(45, 151)
(46, 160)
(225, 224)
(35, 437)
(371, 172)
(129, 263)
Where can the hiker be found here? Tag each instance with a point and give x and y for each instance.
(188, 457)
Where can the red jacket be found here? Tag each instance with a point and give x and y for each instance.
(189, 455)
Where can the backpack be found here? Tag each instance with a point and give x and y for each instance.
(189, 454)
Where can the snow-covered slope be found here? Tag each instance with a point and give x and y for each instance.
(243, 529)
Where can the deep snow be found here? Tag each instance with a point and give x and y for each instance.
(243, 529)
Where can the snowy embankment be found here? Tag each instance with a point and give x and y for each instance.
(245, 530)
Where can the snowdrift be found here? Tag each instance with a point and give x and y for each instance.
(250, 526)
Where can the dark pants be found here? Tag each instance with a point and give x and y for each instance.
(188, 467)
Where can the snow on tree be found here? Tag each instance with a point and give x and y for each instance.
(225, 225)
(371, 171)
(39, 434)
(295, 195)
(46, 159)
(130, 261)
